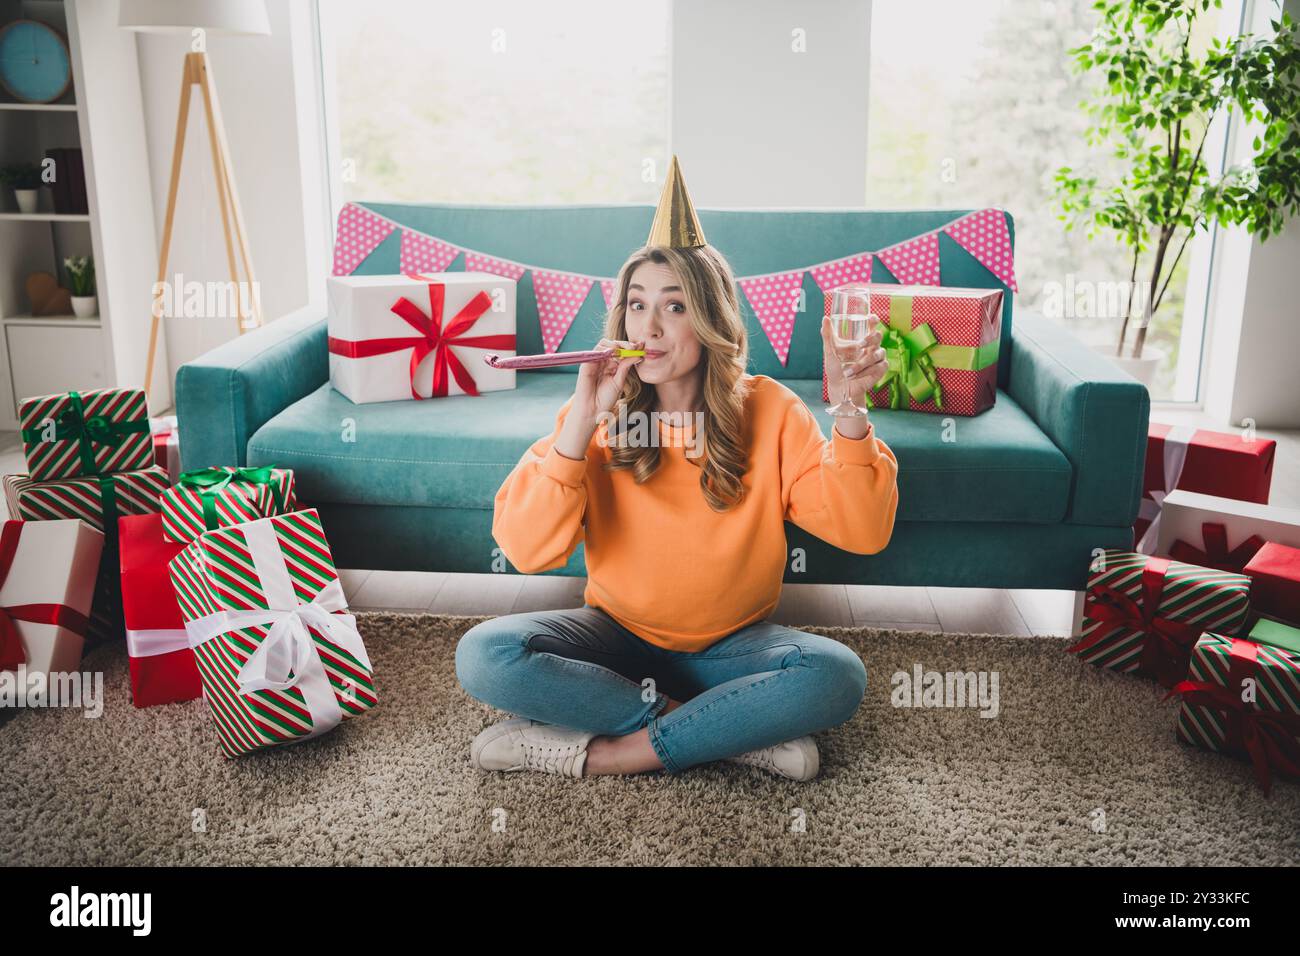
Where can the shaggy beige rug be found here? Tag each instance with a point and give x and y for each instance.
(1079, 767)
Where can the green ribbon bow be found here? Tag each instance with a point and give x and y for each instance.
(908, 352)
(210, 482)
(73, 423)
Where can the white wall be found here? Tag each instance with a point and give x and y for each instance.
(266, 88)
(743, 101)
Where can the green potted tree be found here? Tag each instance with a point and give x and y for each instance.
(81, 279)
(24, 179)
(1153, 114)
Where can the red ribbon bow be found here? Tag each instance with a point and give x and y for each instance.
(1216, 554)
(1167, 648)
(433, 338)
(11, 645)
(1267, 737)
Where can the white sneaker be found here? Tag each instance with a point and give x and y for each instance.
(523, 744)
(796, 759)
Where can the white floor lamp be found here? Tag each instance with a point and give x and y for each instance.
(189, 17)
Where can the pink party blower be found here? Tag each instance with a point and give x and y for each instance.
(559, 358)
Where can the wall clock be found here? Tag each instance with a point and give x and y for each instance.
(35, 65)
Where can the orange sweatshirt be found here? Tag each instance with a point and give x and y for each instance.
(663, 563)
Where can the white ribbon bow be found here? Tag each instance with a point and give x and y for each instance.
(287, 657)
(1176, 443)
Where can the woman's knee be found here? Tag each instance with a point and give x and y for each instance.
(841, 678)
(480, 652)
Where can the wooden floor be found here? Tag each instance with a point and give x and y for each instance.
(958, 610)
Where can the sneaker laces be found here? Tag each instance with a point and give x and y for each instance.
(761, 757)
(551, 759)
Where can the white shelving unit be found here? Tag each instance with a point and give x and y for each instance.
(102, 115)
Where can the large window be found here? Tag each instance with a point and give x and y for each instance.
(511, 101)
(975, 104)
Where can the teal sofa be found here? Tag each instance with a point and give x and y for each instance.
(1016, 497)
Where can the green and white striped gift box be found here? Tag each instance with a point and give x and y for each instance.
(102, 431)
(234, 495)
(279, 657)
(1277, 688)
(1212, 703)
(1204, 599)
(133, 492)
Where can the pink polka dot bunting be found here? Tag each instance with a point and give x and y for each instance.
(474, 262)
(359, 232)
(607, 291)
(914, 262)
(559, 297)
(421, 253)
(774, 299)
(985, 236)
(830, 275)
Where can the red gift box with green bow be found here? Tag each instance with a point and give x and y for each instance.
(942, 347)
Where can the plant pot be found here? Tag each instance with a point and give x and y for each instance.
(1143, 369)
(85, 306)
(27, 200)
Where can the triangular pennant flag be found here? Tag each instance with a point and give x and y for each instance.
(607, 291)
(829, 275)
(421, 253)
(774, 299)
(985, 236)
(475, 262)
(359, 232)
(559, 297)
(914, 262)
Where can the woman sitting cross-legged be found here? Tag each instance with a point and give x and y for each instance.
(671, 661)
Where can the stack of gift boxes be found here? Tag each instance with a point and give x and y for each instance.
(218, 584)
(1208, 602)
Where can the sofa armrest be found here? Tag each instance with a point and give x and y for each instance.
(226, 395)
(1095, 413)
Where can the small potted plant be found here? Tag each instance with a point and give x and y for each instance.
(81, 276)
(24, 179)
(1153, 113)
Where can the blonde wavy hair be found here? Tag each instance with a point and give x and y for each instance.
(709, 287)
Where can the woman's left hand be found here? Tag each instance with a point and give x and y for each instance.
(864, 372)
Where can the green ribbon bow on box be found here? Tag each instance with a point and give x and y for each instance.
(73, 423)
(209, 482)
(914, 356)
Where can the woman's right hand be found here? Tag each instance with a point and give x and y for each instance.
(601, 383)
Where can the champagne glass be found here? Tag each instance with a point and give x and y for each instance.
(851, 323)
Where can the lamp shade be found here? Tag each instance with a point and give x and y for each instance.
(232, 17)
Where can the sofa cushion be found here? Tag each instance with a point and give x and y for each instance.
(455, 452)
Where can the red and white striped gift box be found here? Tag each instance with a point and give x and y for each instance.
(134, 493)
(262, 600)
(46, 420)
(234, 503)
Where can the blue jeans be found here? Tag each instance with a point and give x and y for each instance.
(579, 668)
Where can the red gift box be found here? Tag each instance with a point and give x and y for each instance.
(162, 665)
(1274, 574)
(1207, 462)
(967, 324)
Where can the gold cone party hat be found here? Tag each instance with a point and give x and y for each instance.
(676, 224)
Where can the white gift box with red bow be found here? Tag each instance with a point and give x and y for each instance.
(400, 337)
